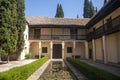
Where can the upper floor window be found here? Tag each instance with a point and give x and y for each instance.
(73, 31)
(36, 33)
(109, 22)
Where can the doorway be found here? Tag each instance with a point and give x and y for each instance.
(90, 54)
(57, 51)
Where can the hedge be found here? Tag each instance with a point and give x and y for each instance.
(92, 73)
(23, 72)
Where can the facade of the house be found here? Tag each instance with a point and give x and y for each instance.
(97, 38)
(57, 38)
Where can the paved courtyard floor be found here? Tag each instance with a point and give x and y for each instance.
(12, 64)
(113, 69)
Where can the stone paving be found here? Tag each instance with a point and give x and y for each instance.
(12, 64)
(113, 69)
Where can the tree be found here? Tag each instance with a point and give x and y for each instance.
(59, 11)
(5, 25)
(77, 16)
(11, 44)
(1, 52)
(96, 10)
(88, 9)
(91, 9)
(105, 1)
(12, 25)
(20, 24)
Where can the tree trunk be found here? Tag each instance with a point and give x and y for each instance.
(18, 55)
(8, 59)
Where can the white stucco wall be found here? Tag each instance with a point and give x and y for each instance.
(26, 44)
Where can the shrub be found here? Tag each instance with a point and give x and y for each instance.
(23, 72)
(92, 73)
(28, 56)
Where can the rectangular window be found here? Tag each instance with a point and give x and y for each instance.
(73, 31)
(109, 22)
(44, 49)
(69, 49)
(36, 33)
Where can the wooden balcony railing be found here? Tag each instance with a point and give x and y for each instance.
(105, 29)
(59, 37)
(114, 27)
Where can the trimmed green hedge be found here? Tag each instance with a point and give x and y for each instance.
(23, 72)
(92, 73)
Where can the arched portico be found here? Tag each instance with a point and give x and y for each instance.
(34, 49)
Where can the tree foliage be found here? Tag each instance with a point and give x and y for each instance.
(89, 10)
(9, 26)
(86, 8)
(20, 24)
(59, 11)
(105, 1)
(96, 10)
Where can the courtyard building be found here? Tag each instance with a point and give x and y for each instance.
(57, 38)
(96, 39)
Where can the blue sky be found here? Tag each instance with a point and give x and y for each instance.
(71, 8)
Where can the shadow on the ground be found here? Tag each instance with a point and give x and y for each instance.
(3, 62)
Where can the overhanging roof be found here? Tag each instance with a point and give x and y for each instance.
(37, 20)
(104, 11)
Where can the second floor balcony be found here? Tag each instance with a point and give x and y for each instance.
(58, 37)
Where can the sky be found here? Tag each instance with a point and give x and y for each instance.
(71, 8)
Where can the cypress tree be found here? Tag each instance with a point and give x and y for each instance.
(20, 24)
(96, 10)
(105, 1)
(5, 20)
(59, 11)
(12, 25)
(91, 9)
(86, 9)
(8, 30)
(13, 33)
(77, 16)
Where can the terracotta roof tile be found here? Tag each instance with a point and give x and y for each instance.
(37, 20)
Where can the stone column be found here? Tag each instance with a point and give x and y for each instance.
(104, 49)
(74, 46)
(63, 46)
(86, 50)
(51, 49)
(94, 53)
(40, 50)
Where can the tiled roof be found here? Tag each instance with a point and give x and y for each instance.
(37, 20)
